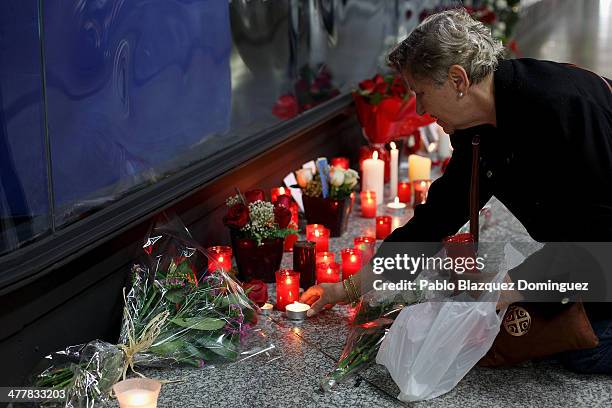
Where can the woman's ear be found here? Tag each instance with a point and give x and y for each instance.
(458, 79)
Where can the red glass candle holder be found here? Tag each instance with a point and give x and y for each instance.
(294, 214)
(277, 191)
(351, 261)
(421, 188)
(219, 257)
(367, 245)
(383, 226)
(368, 204)
(289, 241)
(328, 272)
(342, 162)
(404, 192)
(325, 257)
(254, 195)
(333, 214)
(319, 235)
(287, 287)
(304, 262)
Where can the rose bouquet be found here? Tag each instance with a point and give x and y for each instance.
(341, 182)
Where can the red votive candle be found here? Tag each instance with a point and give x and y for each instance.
(289, 241)
(367, 245)
(421, 188)
(304, 257)
(328, 272)
(404, 192)
(368, 204)
(277, 191)
(325, 257)
(318, 234)
(294, 213)
(287, 287)
(219, 257)
(342, 162)
(383, 226)
(351, 261)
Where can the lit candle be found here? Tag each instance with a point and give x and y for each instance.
(404, 192)
(374, 176)
(367, 245)
(421, 188)
(319, 235)
(277, 191)
(294, 214)
(383, 226)
(326, 257)
(351, 261)
(219, 257)
(296, 310)
(304, 259)
(287, 287)
(396, 207)
(342, 162)
(137, 393)
(393, 170)
(266, 309)
(289, 241)
(368, 204)
(419, 168)
(328, 272)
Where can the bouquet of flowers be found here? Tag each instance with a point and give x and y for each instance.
(386, 109)
(170, 317)
(341, 182)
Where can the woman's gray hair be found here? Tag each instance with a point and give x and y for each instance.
(445, 39)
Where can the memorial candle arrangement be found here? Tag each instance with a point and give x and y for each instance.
(318, 234)
(351, 261)
(421, 188)
(368, 204)
(404, 192)
(287, 287)
(219, 257)
(304, 262)
(383, 226)
(328, 272)
(374, 176)
(367, 245)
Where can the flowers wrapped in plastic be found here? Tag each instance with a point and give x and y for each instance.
(171, 317)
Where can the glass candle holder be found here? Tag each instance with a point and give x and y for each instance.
(219, 257)
(137, 393)
(351, 261)
(383, 226)
(342, 162)
(277, 191)
(421, 188)
(304, 262)
(368, 204)
(404, 192)
(318, 234)
(289, 241)
(326, 257)
(367, 245)
(287, 287)
(328, 272)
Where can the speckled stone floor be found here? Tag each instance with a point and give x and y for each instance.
(304, 352)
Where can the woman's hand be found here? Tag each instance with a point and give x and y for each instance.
(320, 296)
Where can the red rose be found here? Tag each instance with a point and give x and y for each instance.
(367, 85)
(381, 88)
(258, 292)
(378, 79)
(237, 216)
(283, 201)
(282, 216)
(286, 107)
(254, 195)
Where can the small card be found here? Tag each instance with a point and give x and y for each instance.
(323, 168)
(296, 193)
(310, 165)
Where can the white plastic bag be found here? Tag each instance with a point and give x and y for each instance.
(431, 346)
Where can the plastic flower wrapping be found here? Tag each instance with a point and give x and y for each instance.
(175, 313)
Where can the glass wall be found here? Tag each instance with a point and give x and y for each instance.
(133, 92)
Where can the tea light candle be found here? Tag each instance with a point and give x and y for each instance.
(277, 191)
(137, 393)
(396, 207)
(287, 287)
(419, 168)
(404, 192)
(328, 272)
(219, 257)
(368, 204)
(374, 176)
(342, 162)
(367, 245)
(325, 257)
(304, 259)
(394, 167)
(296, 310)
(383, 226)
(351, 261)
(266, 309)
(421, 188)
(319, 235)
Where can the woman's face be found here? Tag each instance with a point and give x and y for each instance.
(440, 101)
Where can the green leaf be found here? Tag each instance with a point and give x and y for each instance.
(376, 98)
(175, 296)
(199, 323)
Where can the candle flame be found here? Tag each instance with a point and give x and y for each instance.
(288, 281)
(396, 201)
(353, 258)
(317, 233)
(281, 191)
(375, 155)
(393, 146)
(329, 271)
(423, 183)
(220, 258)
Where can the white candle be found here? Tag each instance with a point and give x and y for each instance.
(394, 168)
(396, 205)
(419, 168)
(374, 176)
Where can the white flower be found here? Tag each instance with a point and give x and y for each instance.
(350, 177)
(501, 26)
(304, 176)
(337, 176)
(501, 4)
